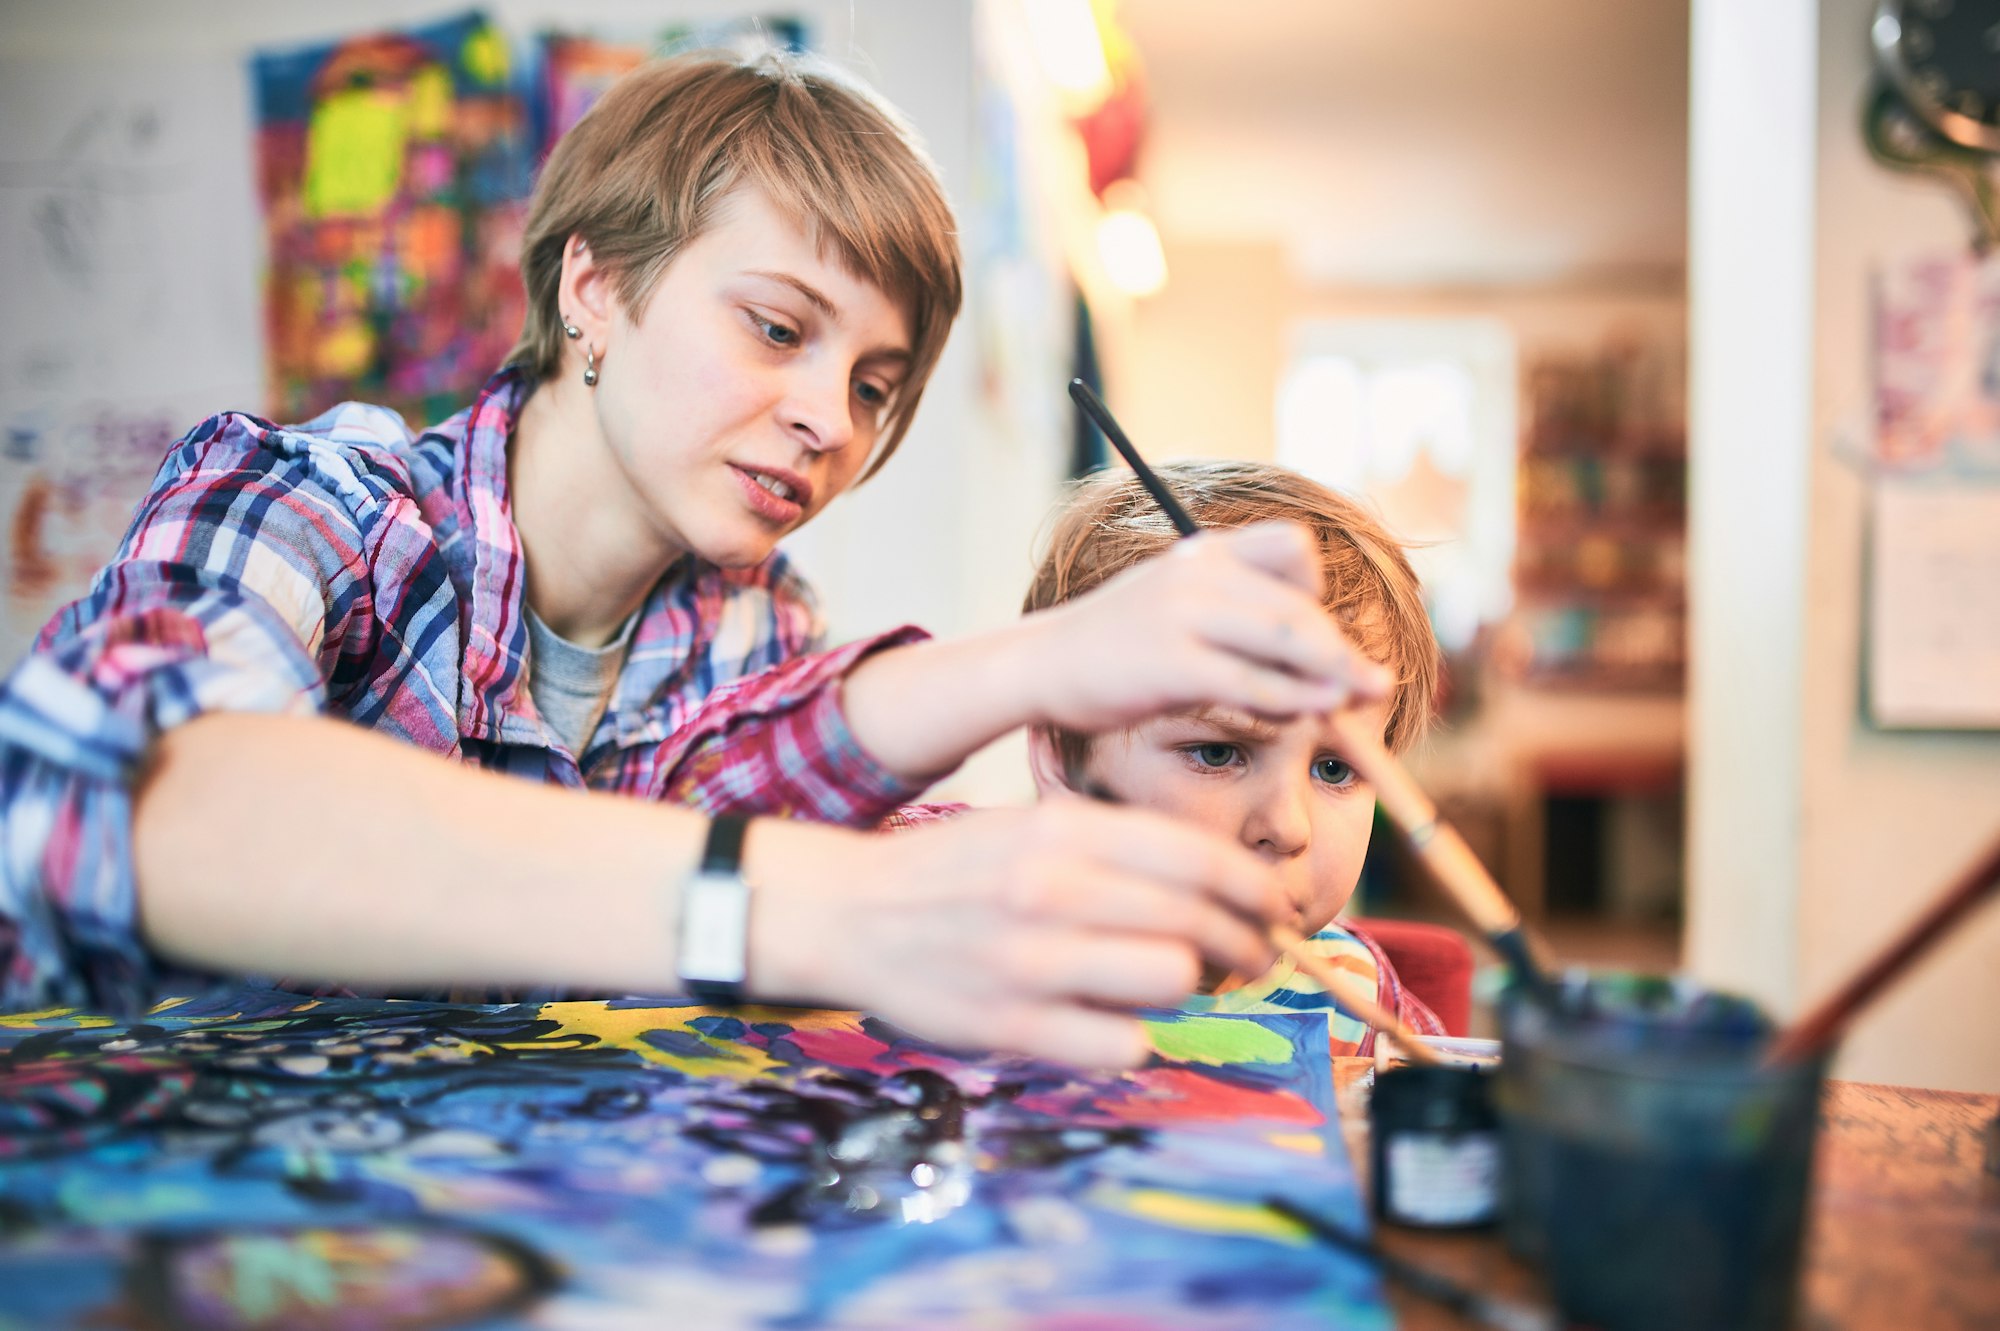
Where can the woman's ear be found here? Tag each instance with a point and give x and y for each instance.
(586, 294)
(1045, 765)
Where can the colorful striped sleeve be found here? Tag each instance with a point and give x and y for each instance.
(232, 590)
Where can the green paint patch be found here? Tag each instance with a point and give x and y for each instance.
(1218, 1041)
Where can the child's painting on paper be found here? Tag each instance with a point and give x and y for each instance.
(267, 1160)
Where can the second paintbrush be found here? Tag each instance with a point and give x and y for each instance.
(1348, 992)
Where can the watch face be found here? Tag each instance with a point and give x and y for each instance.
(1944, 56)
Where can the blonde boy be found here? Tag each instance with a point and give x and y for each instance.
(1281, 789)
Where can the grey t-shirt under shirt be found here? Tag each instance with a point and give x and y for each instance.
(572, 685)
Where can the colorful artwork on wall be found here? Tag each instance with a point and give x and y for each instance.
(394, 170)
(130, 253)
(1937, 366)
(574, 69)
(263, 1160)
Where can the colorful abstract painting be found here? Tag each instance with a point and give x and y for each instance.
(394, 169)
(263, 1160)
(574, 69)
(1937, 365)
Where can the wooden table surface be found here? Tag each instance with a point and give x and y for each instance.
(1904, 1230)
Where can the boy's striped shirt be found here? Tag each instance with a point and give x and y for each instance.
(1287, 988)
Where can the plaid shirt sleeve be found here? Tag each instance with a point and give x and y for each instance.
(234, 584)
(777, 742)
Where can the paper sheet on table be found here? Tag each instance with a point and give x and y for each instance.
(1934, 607)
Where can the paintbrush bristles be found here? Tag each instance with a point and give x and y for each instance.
(1352, 994)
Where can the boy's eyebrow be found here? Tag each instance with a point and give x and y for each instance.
(1236, 725)
(820, 301)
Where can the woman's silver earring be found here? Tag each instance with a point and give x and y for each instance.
(570, 330)
(589, 368)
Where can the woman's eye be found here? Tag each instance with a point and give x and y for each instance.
(870, 394)
(1213, 755)
(776, 333)
(1333, 771)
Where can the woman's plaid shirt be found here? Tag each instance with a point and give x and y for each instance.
(343, 567)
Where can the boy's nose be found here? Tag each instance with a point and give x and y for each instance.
(1278, 825)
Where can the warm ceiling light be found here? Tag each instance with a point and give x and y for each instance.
(1072, 53)
(1129, 244)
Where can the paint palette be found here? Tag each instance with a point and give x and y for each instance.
(261, 1160)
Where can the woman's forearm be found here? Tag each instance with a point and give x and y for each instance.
(923, 708)
(308, 848)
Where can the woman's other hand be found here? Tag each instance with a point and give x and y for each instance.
(1022, 930)
(1228, 618)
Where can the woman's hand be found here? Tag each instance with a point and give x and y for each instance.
(1226, 618)
(1229, 618)
(1016, 930)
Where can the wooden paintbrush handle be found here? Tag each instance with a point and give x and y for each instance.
(1353, 995)
(1455, 866)
(1824, 1023)
(1457, 870)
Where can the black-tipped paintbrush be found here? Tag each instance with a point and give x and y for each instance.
(1484, 1308)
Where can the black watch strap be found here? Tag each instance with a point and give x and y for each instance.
(714, 960)
(722, 852)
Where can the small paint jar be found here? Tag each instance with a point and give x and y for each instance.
(1436, 1147)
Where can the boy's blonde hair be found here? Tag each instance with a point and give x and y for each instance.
(642, 173)
(1111, 523)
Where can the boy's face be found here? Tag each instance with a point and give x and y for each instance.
(748, 391)
(1281, 789)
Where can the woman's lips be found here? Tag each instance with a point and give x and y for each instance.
(784, 504)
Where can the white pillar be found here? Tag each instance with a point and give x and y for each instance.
(1752, 145)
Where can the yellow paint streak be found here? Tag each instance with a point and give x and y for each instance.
(1204, 1215)
(625, 1028)
(69, 1016)
(1305, 1143)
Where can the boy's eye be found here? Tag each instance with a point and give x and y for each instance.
(1332, 771)
(1212, 754)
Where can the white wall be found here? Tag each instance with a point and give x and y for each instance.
(172, 329)
(1813, 836)
(1887, 818)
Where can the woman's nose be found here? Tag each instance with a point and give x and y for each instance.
(819, 411)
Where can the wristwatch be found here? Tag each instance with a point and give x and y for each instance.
(714, 946)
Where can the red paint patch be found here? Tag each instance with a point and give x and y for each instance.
(846, 1049)
(1180, 1095)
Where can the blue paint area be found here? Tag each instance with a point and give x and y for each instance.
(721, 1027)
(572, 1178)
